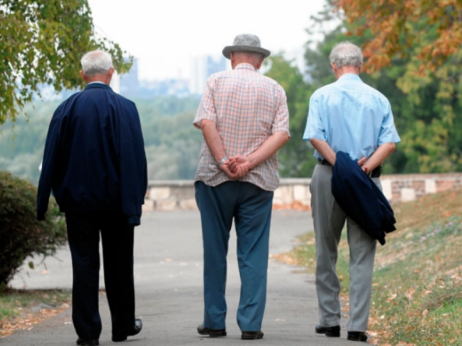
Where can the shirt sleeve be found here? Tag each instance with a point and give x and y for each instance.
(281, 120)
(315, 128)
(388, 131)
(206, 108)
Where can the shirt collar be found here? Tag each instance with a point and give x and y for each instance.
(244, 66)
(350, 76)
(96, 81)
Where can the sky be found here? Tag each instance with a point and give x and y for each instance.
(164, 35)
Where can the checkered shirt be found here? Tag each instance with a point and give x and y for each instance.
(247, 108)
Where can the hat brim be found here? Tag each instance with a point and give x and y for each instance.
(228, 49)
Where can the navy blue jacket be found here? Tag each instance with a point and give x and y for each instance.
(360, 198)
(94, 156)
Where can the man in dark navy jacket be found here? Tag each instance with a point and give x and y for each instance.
(95, 164)
(351, 117)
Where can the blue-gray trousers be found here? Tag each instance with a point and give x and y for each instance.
(250, 207)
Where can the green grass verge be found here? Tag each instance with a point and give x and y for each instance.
(417, 289)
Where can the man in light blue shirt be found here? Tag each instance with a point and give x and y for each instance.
(352, 117)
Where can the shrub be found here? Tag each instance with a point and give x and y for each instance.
(20, 234)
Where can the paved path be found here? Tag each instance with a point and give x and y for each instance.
(168, 277)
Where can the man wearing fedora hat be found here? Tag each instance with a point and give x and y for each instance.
(244, 119)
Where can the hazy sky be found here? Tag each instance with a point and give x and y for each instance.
(165, 34)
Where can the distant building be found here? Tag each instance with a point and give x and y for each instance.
(203, 67)
(168, 87)
(128, 82)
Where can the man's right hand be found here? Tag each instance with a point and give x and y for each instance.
(362, 161)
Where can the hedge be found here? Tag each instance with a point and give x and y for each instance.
(21, 235)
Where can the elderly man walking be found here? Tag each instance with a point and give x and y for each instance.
(244, 119)
(95, 163)
(351, 117)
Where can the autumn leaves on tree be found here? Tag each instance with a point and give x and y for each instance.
(416, 43)
(431, 29)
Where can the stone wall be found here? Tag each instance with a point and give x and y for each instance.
(408, 187)
(179, 194)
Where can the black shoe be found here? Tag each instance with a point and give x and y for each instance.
(135, 330)
(252, 335)
(87, 342)
(357, 336)
(332, 332)
(213, 333)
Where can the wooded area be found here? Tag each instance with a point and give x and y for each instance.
(172, 143)
(412, 55)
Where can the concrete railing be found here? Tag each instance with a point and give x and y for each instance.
(168, 195)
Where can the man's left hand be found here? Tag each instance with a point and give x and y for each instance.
(239, 165)
(232, 175)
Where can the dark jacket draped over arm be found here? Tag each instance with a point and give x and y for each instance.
(361, 199)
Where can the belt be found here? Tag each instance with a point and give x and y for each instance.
(374, 174)
(324, 162)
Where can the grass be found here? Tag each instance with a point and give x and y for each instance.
(21, 309)
(417, 288)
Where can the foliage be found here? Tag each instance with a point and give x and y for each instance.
(395, 26)
(172, 146)
(172, 143)
(41, 43)
(21, 234)
(296, 156)
(163, 106)
(427, 109)
(417, 286)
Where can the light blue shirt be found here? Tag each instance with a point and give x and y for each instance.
(351, 117)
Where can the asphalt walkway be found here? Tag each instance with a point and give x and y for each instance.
(168, 278)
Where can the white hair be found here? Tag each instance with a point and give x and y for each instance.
(346, 54)
(96, 62)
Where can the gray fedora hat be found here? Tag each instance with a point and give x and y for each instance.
(246, 43)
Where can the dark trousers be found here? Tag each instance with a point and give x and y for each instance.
(250, 207)
(83, 231)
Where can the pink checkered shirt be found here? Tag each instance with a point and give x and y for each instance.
(247, 108)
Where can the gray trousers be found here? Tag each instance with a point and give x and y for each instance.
(329, 220)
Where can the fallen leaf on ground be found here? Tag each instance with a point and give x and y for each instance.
(29, 320)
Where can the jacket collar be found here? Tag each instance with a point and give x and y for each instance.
(97, 86)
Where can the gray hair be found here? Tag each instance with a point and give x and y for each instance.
(96, 62)
(346, 54)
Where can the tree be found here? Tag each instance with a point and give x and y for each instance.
(427, 106)
(296, 156)
(432, 28)
(41, 43)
